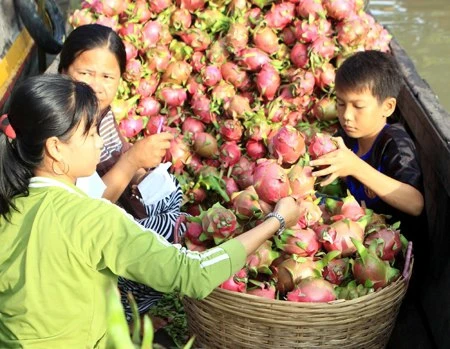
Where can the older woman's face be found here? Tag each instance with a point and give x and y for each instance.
(100, 69)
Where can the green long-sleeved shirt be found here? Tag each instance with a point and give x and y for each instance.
(60, 253)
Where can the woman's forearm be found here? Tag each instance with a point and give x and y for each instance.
(255, 237)
(118, 178)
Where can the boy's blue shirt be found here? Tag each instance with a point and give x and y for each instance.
(393, 154)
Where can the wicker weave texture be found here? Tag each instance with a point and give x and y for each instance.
(230, 320)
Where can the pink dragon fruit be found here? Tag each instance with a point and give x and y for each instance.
(262, 258)
(287, 145)
(179, 154)
(246, 204)
(131, 126)
(211, 75)
(299, 55)
(341, 234)
(350, 209)
(229, 154)
(218, 223)
(237, 37)
(256, 149)
(191, 127)
(262, 289)
(339, 9)
(205, 145)
(158, 6)
(231, 130)
(237, 106)
(312, 290)
(321, 144)
(266, 40)
(310, 212)
(268, 81)
(301, 242)
(325, 109)
(371, 271)
(237, 282)
(242, 172)
(280, 15)
(253, 58)
(314, 8)
(270, 181)
(148, 106)
(180, 19)
(387, 239)
(301, 179)
(337, 271)
(291, 271)
(177, 73)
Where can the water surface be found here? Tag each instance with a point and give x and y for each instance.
(422, 28)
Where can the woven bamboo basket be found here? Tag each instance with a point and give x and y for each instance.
(235, 320)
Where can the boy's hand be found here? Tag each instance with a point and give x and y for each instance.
(340, 163)
(149, 151)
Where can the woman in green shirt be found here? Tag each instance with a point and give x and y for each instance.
(59, 249)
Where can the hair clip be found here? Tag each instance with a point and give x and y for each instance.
(6, 127)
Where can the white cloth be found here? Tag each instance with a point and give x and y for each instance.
(157, 185)
(92, 185)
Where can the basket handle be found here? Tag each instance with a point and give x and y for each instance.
(406, 274)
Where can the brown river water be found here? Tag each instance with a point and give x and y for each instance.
(422, 28)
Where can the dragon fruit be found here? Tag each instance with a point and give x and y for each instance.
(243, 172)
(371, 271)
(237, 282)
(205, 145)
(262, 258)
(341, 234)
(246, 204)
(301, 179)
(387, 239)
(270, 181)
(298, 241)
(218, 223)
(337, 271)
(229, 154)
(261, 289)
(287, 145)
(310, 212)
(294, 269)
(268, 81)
(256, 149)
(350, 209)
(312, 290)
(321, 144)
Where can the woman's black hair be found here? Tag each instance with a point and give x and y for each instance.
(41, 107)
(89, 37)
(370, 69)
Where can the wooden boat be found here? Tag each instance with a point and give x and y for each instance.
(23, 37)
(429, 125)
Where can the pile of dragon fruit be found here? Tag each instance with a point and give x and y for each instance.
(246, 87)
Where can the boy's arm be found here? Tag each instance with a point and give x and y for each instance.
(343, 162)
(145, 153)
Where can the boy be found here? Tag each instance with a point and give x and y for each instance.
(377, 159)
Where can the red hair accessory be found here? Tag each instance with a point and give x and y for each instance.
(6, 127)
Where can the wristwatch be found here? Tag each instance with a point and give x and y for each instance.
(280, 219)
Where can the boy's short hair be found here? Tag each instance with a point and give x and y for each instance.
(370, 69)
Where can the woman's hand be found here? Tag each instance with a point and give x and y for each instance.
(340, 163)
(149, 151)
(289, 209)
